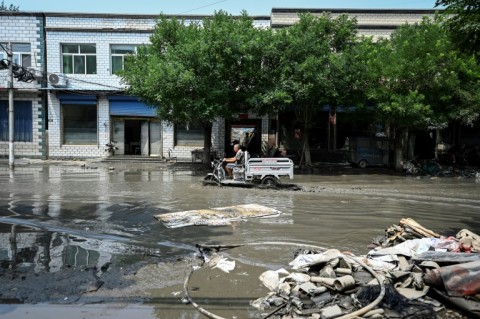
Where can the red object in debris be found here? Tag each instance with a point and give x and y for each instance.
(458, 280)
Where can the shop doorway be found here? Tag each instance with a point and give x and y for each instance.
(133, 137)
(137, 136)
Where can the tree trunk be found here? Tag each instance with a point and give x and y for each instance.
(438, 140)
(207, 143)
(411, 146)
(401, 139)
(306, 148)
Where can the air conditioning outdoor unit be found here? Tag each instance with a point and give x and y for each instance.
(58, 80)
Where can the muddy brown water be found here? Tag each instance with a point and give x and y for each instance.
(57, 217)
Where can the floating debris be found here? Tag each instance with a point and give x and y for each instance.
(216, 216)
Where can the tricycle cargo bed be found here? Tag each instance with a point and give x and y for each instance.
(261, 167)
(251, 171)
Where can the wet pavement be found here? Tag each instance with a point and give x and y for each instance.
(83, 236)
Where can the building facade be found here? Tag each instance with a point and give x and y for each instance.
(86, 103)
(377, 23)
(79, 104)
(25, 34)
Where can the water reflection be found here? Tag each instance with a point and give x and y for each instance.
(27, 249)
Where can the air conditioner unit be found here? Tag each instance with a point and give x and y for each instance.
(58, 80)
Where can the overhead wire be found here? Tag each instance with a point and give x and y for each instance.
(4, 49)
(205, 6)
(20, 73)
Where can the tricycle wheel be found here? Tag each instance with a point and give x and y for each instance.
(221, 175)
(210, 180)
(269, 181)
(363, 163)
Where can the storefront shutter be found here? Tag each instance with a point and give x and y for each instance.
(129, 106)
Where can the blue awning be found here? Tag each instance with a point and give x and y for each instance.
(129, 106)
(77, 99)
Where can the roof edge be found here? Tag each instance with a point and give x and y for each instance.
(118, 15)
(354, 10)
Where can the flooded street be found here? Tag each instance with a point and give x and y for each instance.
(56, 219)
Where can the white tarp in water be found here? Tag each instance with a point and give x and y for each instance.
(216, 216)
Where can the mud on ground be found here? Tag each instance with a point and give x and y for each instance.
(111, 284)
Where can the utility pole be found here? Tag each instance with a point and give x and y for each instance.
(11, 157)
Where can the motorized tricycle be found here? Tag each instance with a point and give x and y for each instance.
(253, 171)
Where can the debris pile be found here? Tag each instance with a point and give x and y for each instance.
(409, 274)
(433, 168)
(320, 285)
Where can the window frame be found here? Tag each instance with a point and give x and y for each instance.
(18, 55)
(135, 50)
(196, 142)
(63, 121)
(23, 121)
(86, 56)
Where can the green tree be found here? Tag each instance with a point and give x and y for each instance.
(313, 63)
(198, 72)
(423, 81)
(464, 23)
(11, 7)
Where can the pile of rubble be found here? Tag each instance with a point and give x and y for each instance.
(433, 168)
(406, 275)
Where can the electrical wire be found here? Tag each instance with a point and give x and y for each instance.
(4, 49)
(20, 73)
(205, 6)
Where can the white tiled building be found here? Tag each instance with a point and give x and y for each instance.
(25, 33)
(86, 106)
(79, 108)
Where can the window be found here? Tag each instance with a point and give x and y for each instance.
(189, 134)
(21, 54)
(119, 52)
(79, 58)
(79, 124)
(22, 118)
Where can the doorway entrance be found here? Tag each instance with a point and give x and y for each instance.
(133, 137)
(137, 136)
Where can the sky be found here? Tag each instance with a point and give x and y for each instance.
(253, 7)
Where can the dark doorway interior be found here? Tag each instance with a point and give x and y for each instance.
(249, 134)
(133, 137)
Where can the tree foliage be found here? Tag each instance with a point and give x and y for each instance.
(11, 7)
(464, 23)
(197, 72)
(313, 63)
(423, 80)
